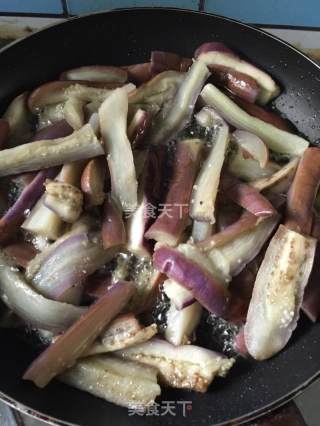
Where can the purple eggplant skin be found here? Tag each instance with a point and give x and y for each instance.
(215, 46)
(247, 197)
(113, 230)
(64, 352)
(164, 61)
(14, 217)
(205, 288)
(303, 191)
(170, 225)
(56, 130)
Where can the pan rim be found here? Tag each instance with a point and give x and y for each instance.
(51, 420)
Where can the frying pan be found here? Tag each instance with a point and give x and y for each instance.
(123, 37)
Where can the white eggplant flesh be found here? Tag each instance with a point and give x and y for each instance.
(178, 114)
(113, 126)
(234, 256)
(181, 324)
(205, 189)
(278, 293)
(124, 383)
(29, 305)
(277, 140)
(249, 169)
(185, 367)
(110, 342)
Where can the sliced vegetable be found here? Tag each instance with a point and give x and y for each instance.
(30, 305)
(237, 82)
(138, 128)
(100, 73)
(201, 230)
(138, 73)
(276, 139)
(280, 180)
(14, 217)
(203, 285)
(21, 253)
(179, 295)
(247, 197)
(181, 324)
(311, 297)
(173, 220)
(207, 183)
(122, 332)
(278, 292)
(252, 145)
(92, 182)
(164, 61)
(186, 367)
(37, 155)
(59, 129)
(63, 199)
(137, 224)
(217, 54)
(234, 256)
(65, 351)
(113, 125)
(45, 222)
(113, 230)
(126, 383)
(84, 225)
(156, 93)
(303, 192)
(178, 114)
(56, 92)
(246, 223)
(268, 116)
(64, 270)
(19, 119)
(248, 169)
(73, 111)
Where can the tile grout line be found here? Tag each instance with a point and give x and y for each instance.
(65, 8)
(201, 5)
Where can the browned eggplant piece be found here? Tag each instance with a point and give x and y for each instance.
(92, 182)
(65, 351)
(278, 293)
(113, 230)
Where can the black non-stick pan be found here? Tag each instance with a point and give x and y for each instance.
(124, 37)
